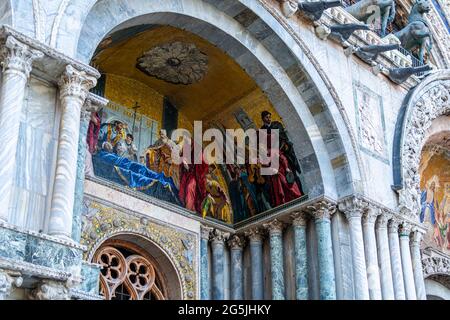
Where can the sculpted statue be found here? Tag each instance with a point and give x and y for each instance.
(369, 11)
(417, 35)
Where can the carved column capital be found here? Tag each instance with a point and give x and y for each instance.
(255, 235)
(393, 225)
(50, 290)
(371, 214)
(8, 282)
(383, 220)
(18, 57)
(416, 237)
(75, 83)
(300, 219)
(322, 210)
(353, 208)
(274, 227)
(236, 242)
(217, 236)
(205, 232)
(405, 229)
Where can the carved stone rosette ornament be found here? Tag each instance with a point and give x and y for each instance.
(176, 62)
(430, 101)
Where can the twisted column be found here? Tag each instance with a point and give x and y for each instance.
(204, 270)
(408, 275)
(237, 244)
(275, 229)
(354, 209)
(218, 239)
(370, 250)
(396, 261)
(387, 287)
(322, 212)
(17, 62)
(417, 265)
(256, 251)
(300, 221)
(74, 86)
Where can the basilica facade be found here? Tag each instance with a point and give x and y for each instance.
(97, 96)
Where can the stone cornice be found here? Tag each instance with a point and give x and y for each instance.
(53, 63)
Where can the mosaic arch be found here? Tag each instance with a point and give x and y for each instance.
(435, 185)
(256, 38)
(427, 102)
(255, 47)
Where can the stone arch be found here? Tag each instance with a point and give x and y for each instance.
(427, 102)
(176, 285)
(253, 37)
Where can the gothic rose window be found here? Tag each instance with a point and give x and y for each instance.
(128, 275)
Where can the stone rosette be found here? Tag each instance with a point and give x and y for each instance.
(175, 62)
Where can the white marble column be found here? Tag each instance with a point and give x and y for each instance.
(417, 265)
(384, 260)
(396, 261)
(370, 250)
(74, 86)
(353, 209)
(408, 275)
(17, 61)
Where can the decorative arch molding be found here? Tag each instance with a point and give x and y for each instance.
(252, 26)
(436, 266)
(178, 248)
(427, 102)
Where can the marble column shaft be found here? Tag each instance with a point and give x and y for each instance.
(408, 274)
(417, 266)
(17, 60)
(74, 86)
(300, 221)
(277, 259)
(236, 244)
(353, 209)
(218, 239)
(384, 259)
(256, 253)
(370, 250)
(204, 269)
(396, 261)
(322, 213)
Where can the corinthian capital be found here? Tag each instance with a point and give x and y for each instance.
(275, 227)
(236, 242)
(393, 225)
(254, 234)
(205, 232)
(18, 57)
(75, 83)
(322, 210)
(218, 236)
(405, 229)
(383, 219)
(371, 214)
(300, 219)
(416, 237)
(50, 290)
(353, 208)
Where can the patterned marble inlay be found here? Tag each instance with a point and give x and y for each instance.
(100, 223)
